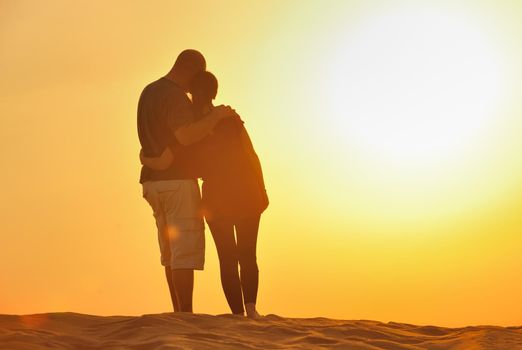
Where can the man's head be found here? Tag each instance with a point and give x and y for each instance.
(188, 64)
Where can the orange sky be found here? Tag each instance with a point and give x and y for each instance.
(389, 134)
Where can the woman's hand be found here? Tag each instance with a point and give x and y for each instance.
(264, 200)
(158, 163)
(142, 156)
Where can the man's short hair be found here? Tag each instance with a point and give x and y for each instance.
(190, 60)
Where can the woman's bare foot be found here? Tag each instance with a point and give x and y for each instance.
(251, 311)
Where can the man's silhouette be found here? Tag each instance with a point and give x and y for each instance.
(165, 118)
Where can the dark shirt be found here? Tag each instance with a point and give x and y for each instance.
(231, 186)
(163, 107)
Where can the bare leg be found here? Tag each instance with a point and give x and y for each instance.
(247, 230)
(223, 233)
(172, 289)
(183, 281)
(251, 310)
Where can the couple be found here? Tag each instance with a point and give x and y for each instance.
(183, 140)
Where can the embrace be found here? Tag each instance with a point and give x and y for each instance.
(184, 139)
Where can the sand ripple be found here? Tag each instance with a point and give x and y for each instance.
(182, 331)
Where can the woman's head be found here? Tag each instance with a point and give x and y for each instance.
(203, 88)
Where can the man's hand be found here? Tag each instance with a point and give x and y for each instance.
(223, 112)
(226, 112)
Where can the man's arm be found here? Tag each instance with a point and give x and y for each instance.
(193, 132)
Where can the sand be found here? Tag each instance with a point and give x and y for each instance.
(185, 331)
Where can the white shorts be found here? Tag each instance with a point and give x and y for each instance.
(176, 206)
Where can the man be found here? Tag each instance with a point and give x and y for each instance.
(165, 118)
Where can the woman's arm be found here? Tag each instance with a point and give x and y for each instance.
(158, 163)
(254, 160)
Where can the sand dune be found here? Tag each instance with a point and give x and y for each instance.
(184, 331)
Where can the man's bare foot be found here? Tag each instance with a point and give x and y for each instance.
(251, 311)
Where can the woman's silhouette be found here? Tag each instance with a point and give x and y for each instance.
(234, 194)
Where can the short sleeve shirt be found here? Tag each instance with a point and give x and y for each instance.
(163, 107)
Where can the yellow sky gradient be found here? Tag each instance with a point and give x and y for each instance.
(361, 225)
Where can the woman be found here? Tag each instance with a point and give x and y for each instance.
(233, 194)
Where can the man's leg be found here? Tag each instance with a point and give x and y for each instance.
(186, 238)
(172, 289)
(151, 196)
(183, 281)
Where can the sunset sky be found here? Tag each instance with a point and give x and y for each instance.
(390, 134)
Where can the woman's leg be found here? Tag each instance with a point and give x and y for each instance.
(246, 230)
(223, 233)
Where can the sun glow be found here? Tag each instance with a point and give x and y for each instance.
(415, 85)
(414, 100)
